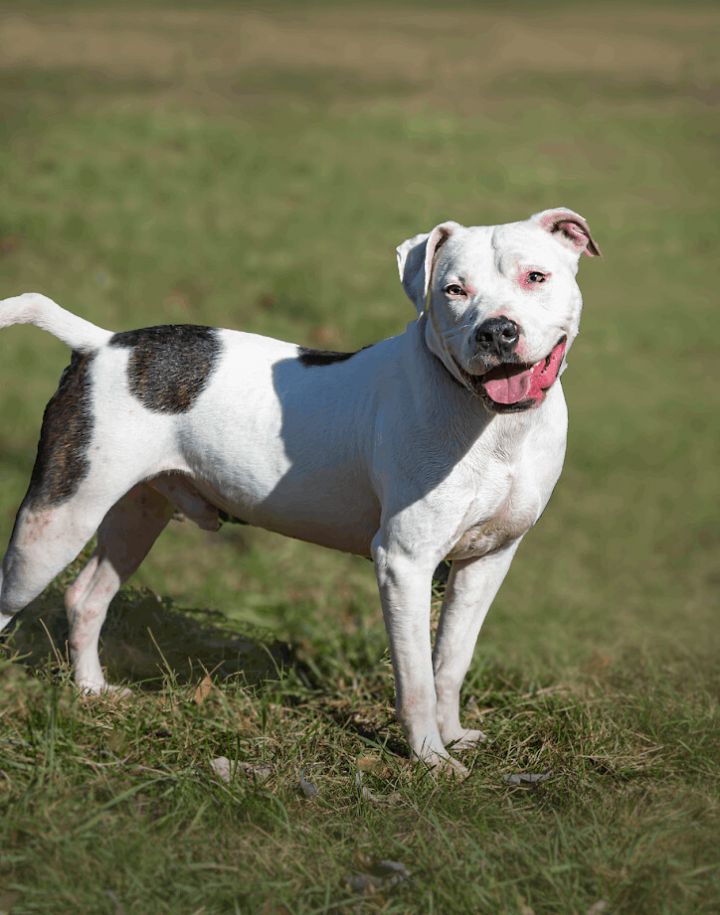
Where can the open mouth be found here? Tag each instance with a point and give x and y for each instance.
(512, 387)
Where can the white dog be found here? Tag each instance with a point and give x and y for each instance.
(443, 442)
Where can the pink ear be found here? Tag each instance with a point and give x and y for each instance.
(570, 229)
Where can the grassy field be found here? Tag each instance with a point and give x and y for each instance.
(255, 168)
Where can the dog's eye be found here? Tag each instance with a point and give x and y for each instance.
(536, 277)
(454, 289)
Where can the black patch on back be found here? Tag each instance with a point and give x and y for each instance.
(61, 463)
(169, 365)
(323, 357)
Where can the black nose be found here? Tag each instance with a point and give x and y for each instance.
(497, 337)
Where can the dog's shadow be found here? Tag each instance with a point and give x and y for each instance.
(145, 640)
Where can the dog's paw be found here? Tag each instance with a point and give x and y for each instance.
(108, 690)
(464, 739)
(117, 692)
(445, 766)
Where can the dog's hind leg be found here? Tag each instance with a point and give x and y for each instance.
(59, 513)
(44, 541)
(125, 537)
(46, 538)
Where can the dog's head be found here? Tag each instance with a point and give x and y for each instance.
(502, 303)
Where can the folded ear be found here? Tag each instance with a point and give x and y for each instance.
(569, 228)
(415, 260)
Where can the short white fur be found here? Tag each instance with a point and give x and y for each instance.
(387, 454)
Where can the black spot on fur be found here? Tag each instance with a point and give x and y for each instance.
(323, 357)
(170, 365)
(61, 463)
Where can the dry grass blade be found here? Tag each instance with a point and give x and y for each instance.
(203, 690)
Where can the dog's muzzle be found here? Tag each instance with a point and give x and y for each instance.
(514, 386)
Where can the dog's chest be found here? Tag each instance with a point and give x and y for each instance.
(515, 515)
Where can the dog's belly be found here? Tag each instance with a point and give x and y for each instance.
(349, 526)
(339, 517)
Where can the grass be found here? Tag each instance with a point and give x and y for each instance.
(255, 168)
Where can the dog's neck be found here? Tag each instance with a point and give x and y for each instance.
(433, 340)
(461, 413)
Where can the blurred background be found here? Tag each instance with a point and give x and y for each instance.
(255, 165)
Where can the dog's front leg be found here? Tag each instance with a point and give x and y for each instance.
(471, 589)
(405, 588)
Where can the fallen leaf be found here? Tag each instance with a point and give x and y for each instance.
(221, 767)
(369, 763)
(395, 869)
(203, 690)
(382, 876)
(306, 787)
(527, 779)
(258, 772)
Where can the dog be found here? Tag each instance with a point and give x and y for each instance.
(444, 442)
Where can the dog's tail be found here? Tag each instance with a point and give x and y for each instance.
(34, 308)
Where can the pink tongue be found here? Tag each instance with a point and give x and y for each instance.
(507, 385)
(509, 388)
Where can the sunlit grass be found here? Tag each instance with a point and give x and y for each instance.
(255, 169)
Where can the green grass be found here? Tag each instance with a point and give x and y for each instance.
(255, 169)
